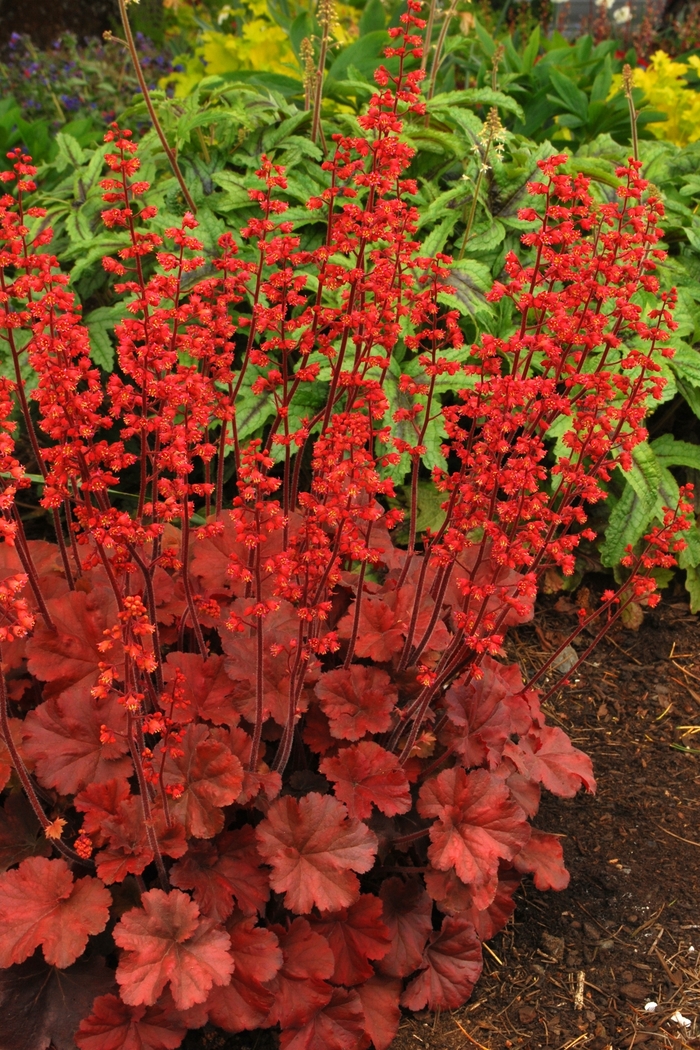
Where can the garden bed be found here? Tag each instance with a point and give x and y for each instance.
(630, 914)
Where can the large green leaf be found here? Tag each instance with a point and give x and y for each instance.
(364, 54)
(474, 97)
(575, 100)
(670, 452)
(471, 280)
(100, 323)
(635, 509)
(437, 238)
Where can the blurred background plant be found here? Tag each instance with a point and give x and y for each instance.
(75, 87)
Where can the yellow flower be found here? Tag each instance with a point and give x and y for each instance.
(666, 89)
(261, 45)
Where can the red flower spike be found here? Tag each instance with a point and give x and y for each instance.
(113, 1025)
(357, 701)
(452, 966)
(300, 987)
(313, 848)
(356, 935)
(340, 1025)
(543, 856)
(245, 1002)
(380, 1003)
(367, 775)
(41, 905)
(407, 914)
(166, 942)
(477, 825)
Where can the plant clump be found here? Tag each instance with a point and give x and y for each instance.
(274, 767)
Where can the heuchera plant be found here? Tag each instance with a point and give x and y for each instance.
(272, 768)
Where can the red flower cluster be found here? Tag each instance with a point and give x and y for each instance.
(292, 749)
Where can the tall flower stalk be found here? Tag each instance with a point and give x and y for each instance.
(327, 19)
(491, 138)
(172, 159)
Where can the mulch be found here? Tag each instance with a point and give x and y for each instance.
(45, 20)
(576, 969)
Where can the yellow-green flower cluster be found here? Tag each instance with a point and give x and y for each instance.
(665, 87)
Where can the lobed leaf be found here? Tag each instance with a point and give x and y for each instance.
(167, 942)
(42, 906)
(313, 848)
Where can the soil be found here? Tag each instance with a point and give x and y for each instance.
(575, 969)
(45, 20)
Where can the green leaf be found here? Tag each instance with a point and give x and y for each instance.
(531, 50)
(692, 586)
(672, 453)
(432, 141)
(635, 509)
(485, 237)
(87, 179)
(689, 558)
(301, 27)
(365, 54)
(437, 238)
(235, 190)
(514, 193)
(488, 44)
(440, 206)
(100, 323)
(471, 280)
(685, 364)
(70, 152)
(603, 82)
(274, 136)
(474, 97)
(107, 244)
(373, 18)
(78, 225)
(430, 513)
(575, 100)
(597, 170)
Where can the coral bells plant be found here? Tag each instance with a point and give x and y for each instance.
(263, 766)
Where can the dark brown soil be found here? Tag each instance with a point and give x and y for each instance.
(45, 20)
(575, 969)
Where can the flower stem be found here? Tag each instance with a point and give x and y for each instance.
(151, 108)
(437, 59)
(628, 86)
